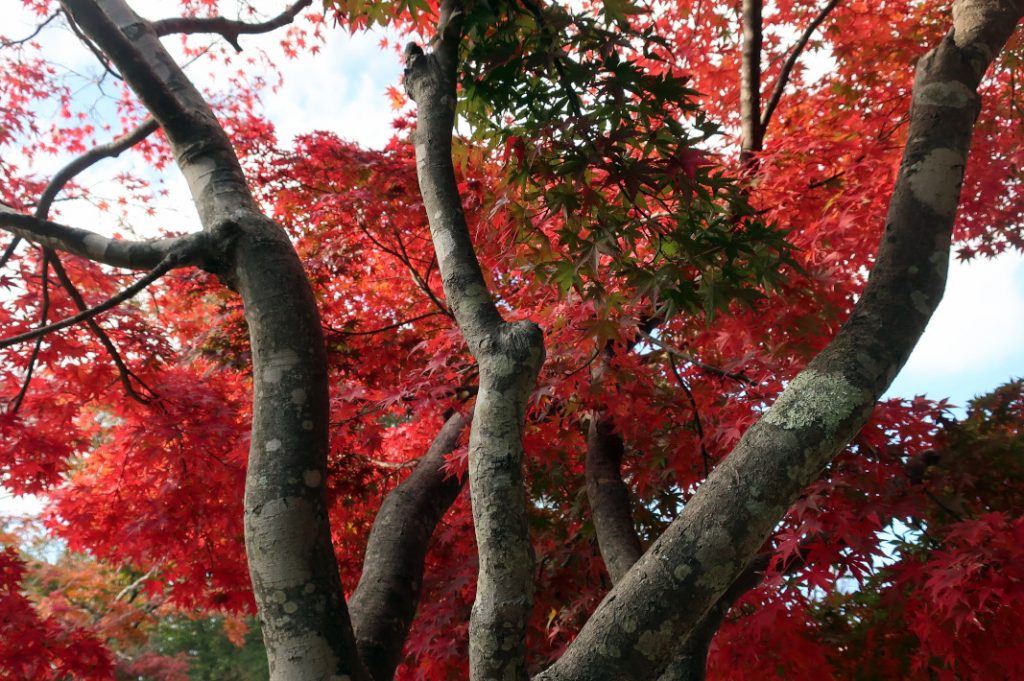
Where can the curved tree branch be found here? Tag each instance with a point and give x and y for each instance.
(111, 149)
(385, 600)
(306, 627)
(171, 261)
(229, 29)
(787, 68)
(138, 255)
(668, 591)
(126, 375)
(44, 310)
(509, 356)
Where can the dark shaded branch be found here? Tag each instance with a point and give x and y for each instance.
(608, 496)
(229, 29)
(92, 47)
(751, 131)
(139, 255)
(9, 251)
(385, 600)
(787, 68)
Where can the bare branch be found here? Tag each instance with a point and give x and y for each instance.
(111, 149)
(229, 29)
(696, 413)
(126, 375)
(31, 36)
(43, 312)
(92, 246)
(11, 247)
(608, 496)
(381, 329)
(787, 68)
(385, 601)
(172, 260)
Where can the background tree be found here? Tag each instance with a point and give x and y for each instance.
(679, 291)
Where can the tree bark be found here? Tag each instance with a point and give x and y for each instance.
(751, 130)
(686, 571)
(294, 574)
(608, 496)
(509, 355)
(384, 603)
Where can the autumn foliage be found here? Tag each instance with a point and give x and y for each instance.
(679, 290)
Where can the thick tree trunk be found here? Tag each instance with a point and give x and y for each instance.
(295, 579)
(686, 571)
(509, 355)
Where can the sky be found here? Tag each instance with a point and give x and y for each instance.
(974, 343)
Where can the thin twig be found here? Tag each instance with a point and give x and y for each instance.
(161, 269)
(43, 312)
(383, 328)
(126, 375)
(696, 413)
(794, 55)
(92, 46)
(111, 149)
(229, 29)
(39, 28)
(9, 251)
(740, 377)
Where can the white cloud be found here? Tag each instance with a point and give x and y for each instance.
(341, 89)
(979, 323)
(25, 506)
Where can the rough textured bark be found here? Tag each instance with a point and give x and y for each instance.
(294, 574)
(384, 603)
(608, 496)
(693, 563)
(751, 132)
(509, 356)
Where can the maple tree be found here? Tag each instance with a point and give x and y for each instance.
(626, 307)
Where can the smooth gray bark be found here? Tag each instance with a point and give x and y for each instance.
(294, 574)
(686, 571)
(138, 255)
(509, 355)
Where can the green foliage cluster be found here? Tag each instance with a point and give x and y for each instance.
(211, 655)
